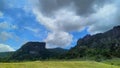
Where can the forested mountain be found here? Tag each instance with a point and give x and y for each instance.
(36, 51)
(101, 45)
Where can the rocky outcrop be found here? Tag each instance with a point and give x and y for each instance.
(31, 51)
(33, 47)
(36, 51)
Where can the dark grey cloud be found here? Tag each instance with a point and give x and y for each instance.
(49, 6)
(82, 7)
(85, 7)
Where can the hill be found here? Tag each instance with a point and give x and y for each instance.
(5, 54)
(36, 51)
(101, 45)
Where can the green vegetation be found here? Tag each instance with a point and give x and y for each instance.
(5, 54)
(58, 64)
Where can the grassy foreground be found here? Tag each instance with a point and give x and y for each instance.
(114, 61)
(57, 64)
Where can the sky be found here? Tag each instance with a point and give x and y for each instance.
(59, 23)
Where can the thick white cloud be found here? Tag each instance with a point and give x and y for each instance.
(75, 15)
(5, 48)
(56, 39)
(62, 22)
(104, 19)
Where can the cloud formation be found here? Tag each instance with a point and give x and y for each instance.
(1, 14)
(34, 30)
(7, 26)
(4, 31)
(82, 7)
(5, 48)
(75, 15)
(59, 38)
(59, 17)
(5, 36)
(104, 19)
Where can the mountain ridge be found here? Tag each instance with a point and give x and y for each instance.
(105, 44)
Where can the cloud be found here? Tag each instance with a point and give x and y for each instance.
(75, 15)
(82, 7)
(56, 39)
(35, 30)
(104, 19)
(61, 24)
(5, 48)
(5, 36)
(7, 26)
(1, 14)
(63, 20)
(6, 31)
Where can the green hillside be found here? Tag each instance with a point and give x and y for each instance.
(5, 54)
(57, 64)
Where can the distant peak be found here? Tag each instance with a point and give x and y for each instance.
(117, 27)
(35, 43)
(87, 36)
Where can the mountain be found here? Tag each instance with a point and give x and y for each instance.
(31, 51)
(36, 51)
(106, 45)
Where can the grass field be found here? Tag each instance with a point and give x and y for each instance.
(58, 64)
(115, 61)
